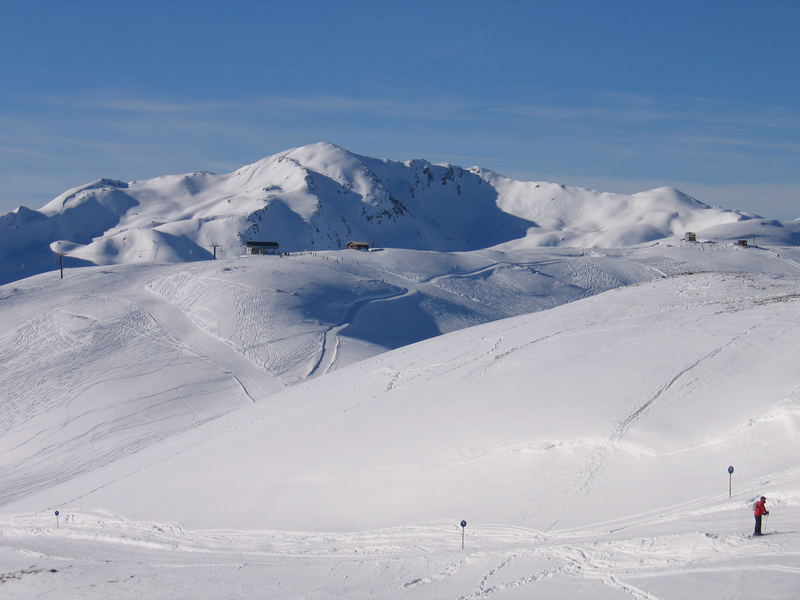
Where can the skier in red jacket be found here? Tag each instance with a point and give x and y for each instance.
(759, 510)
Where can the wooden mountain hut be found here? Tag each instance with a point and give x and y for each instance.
(261, 247)
(359, 245)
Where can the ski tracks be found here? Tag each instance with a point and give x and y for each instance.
(330, 341)
(329, 347)
(621, 428)
(486, 590)
(441, 576)
(531, 566)
(580, 563)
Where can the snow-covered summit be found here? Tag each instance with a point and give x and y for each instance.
(575, 216)
(321, 196)
(74, 196)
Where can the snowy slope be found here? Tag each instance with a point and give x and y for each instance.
(524, 421)
(112, 360)
(160, 392)
(586, 445)
(574, 216)
(321, 196)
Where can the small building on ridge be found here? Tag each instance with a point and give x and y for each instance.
(261, 247)
(359, 245)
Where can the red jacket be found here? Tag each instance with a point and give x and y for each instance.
(760, 509)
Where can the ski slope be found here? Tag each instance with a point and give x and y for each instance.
(466, 420)
(98, 555)
(239, 425)
(113, 359)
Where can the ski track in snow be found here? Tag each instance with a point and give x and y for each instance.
(330, 338)
(783, 259)
(600, 457)
(622, 428)
(330, 341)
(149, 321)
(206, 345)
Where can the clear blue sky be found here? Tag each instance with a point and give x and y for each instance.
(615, 95)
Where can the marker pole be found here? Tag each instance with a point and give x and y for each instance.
(730, 480)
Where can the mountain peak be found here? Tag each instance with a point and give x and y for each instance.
(59, 203)
(321, 195)
(321, 153)
(321, 146)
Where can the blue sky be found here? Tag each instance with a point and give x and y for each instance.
(620, 96)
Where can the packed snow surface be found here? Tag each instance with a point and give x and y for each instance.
(238, 427)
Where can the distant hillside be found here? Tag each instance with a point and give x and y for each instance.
(321, 196)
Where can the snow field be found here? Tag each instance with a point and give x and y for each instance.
(98, 555)
(402, 438)
(587, 445)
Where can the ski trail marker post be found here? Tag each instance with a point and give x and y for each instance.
(57, 523)
(730, 479)
(463, 529)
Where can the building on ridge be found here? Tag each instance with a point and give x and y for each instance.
(359, 245)
(261, 247)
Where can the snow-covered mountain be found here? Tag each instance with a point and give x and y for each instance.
(514, 355)
(321, 196)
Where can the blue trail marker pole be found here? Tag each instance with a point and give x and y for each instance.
(730, 479)
(57, 524)
(463, 529)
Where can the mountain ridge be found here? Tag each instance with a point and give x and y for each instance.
(319, 196)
